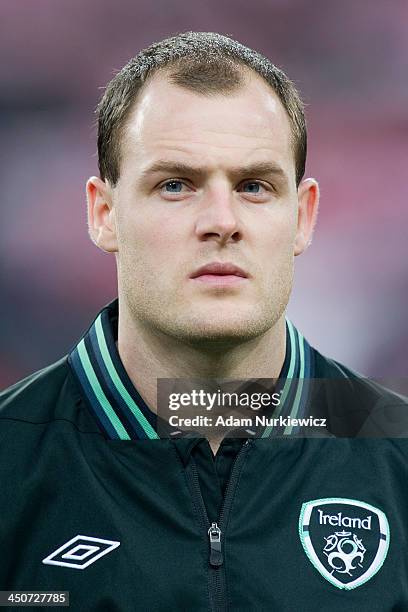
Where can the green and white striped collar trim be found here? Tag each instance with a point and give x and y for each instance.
(117, 406)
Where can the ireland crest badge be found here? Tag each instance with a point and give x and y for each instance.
(345, 539)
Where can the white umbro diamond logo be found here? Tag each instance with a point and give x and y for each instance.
(80, 552)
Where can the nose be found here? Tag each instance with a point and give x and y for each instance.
(217, 219)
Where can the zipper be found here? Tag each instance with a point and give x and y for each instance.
(215, 530)
(214, 533)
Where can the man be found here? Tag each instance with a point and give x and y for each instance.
(201, 198)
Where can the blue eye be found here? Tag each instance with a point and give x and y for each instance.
(253, 187)
(173, 186)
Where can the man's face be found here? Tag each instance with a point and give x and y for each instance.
(206, 180)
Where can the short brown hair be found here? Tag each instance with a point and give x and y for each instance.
(205, 62)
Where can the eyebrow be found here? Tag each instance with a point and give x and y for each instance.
(257, 169)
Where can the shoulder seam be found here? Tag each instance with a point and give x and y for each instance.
(98, 433)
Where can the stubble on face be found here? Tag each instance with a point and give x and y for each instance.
(218, 327)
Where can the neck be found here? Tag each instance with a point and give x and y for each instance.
(149, 354)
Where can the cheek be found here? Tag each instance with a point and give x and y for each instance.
(279, 238)
(275, 253)
(148, 243)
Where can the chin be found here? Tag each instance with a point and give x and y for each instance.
(210, 334)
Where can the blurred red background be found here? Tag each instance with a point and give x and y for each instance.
(349, 61)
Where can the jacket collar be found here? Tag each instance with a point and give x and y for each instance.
(116, 404)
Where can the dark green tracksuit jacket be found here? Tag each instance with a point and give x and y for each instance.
(93, 502)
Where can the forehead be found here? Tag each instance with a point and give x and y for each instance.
(248, 125)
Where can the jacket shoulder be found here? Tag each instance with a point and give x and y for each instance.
(39, 396)
(356, 405)
(327, 368)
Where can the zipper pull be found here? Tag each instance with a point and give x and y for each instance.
(214, 533)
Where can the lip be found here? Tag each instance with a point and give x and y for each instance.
(219, 272)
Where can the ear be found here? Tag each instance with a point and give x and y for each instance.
(101, 215)
(308, 203)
